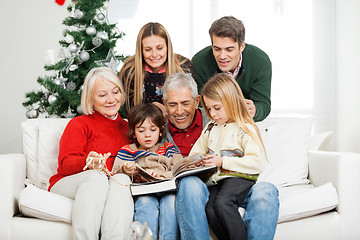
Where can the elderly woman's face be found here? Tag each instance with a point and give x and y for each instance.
(106, 98)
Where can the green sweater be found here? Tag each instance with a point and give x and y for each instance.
(254, 76)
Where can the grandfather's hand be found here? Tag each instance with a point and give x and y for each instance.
(251, 107)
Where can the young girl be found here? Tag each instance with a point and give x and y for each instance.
(147, 128)
(232, 142)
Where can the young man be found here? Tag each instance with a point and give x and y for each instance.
(186, 120)
(249, 65)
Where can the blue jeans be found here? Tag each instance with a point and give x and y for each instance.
(158, 210)
(261, 203)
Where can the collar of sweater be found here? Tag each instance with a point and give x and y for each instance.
(106, 121)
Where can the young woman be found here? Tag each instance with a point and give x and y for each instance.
(233, 143)
(144, 73)
(146, 129)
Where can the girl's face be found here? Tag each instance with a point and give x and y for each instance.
(154, 51)
(106, 98)
(147, 134)
(217, 111)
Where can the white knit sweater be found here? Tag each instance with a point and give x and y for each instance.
(240, 152)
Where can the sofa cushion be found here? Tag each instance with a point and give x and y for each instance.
(305, 200)
(39, 203)
(41, 147)
(286, 141)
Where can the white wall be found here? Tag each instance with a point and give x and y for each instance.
(30, 28)
(347, 20)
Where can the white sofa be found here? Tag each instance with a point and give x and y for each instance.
(319, 191)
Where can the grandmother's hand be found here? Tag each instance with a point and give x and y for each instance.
(96, 160)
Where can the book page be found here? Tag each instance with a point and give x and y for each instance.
(187, 163)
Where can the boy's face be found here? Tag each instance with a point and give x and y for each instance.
(147, 134)
(227, 53)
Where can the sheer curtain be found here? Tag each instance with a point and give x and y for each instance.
(298, 36)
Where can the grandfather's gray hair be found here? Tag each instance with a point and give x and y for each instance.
(177, 80)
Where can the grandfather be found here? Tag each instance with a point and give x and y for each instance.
(186, 120)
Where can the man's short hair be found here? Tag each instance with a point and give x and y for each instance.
(228, 26)
(176, 80)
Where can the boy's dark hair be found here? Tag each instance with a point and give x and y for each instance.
(139, 113)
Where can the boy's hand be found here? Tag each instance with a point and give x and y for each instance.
(129, 168)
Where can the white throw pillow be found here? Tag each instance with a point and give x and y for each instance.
(306, 200)
(50, 132)
(41, 148)
(39, 203)
(286, 141)
(30, 129)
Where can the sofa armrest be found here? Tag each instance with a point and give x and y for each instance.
(342, 170)
(12, 179)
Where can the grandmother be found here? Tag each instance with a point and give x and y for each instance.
(88, 148)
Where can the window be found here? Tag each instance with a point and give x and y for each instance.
(297, 35)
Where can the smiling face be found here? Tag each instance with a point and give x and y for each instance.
(227, 53)
(154, 51)
(106, 97)
(147, 134)
(181, 107)
(217, 111)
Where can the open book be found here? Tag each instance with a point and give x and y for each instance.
(185, 167)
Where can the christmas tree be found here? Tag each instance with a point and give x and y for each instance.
(88, 41)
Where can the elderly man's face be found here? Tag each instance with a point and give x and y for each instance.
(181, 107)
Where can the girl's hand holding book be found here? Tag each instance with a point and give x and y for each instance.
(212, 160)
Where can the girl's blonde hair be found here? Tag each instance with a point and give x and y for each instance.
(87, 94)
(222, 87)
(133, 71)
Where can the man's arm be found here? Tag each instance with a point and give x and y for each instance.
(260, 93)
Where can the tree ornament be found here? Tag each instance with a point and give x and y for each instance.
(72, 48)
(96, 41)
(59, 82)
(69, 113)
(100, 18)
(69, 39)
(73, 67)
(79, 110)
(103, 35)
(84, 56)
(78, 14)
(53, 116)
(115, 31)
(106, 5)
(32, 113)
(60, 2)
(90, 30)
(110, 61)
(71, 86)
(52, 99)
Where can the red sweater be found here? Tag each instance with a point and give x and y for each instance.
(88, 133)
